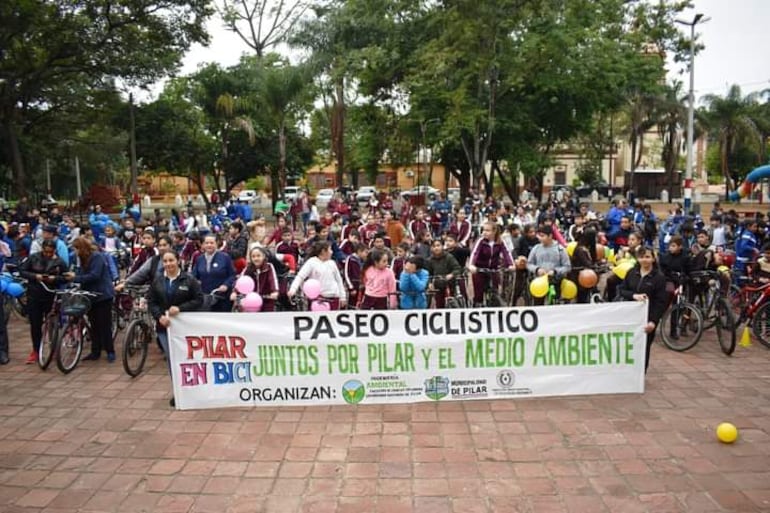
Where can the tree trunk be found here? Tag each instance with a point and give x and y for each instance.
(630, 183)
(338, 129)
(723, 143)
(14, 151)
(201, 189)
(282, 154)
(508, 186)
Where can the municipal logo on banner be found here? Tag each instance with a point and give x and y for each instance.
(437, 387)
(506, 378)
(353, 391)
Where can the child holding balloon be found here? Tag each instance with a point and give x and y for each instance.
(326, 279)
(258, 279)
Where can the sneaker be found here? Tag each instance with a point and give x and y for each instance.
(32, 358)
(111, 357)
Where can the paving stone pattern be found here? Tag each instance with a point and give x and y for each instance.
(99, 441)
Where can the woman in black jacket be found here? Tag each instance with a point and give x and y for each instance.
(645, 282)
(172, 292)
(45, 267)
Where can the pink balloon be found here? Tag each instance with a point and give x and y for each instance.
(251, 302)
(320, 306)
(244, 284)
(311, 288)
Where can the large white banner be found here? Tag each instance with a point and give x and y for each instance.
(373, 357)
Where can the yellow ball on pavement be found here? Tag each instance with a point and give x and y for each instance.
(727, 433)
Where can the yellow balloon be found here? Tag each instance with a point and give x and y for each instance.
(622, 269)
(727, 433)
(539, 287)
(571, 248)
(611, 256)
(568, 289)
(723, 269)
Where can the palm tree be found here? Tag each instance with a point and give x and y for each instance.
(672, 120)
(730, 118)
(282, 93)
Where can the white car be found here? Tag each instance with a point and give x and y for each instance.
(422, 190)
(323, 198)
(291, 192)
(247, 196)
(365, 193)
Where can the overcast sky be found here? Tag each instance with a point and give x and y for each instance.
(736, 40)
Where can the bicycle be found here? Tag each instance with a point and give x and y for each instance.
(756, 311)
(491, 297)
(54, 321)
(681, 320)
(452, 289)
(75, 305)
(715, 309)
(17, 305)
(121, 312)
(138, 333)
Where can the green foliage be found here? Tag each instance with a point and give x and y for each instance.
(57, 53)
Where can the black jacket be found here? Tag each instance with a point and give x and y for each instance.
(35, 265)
(654, 285)
(186, 295)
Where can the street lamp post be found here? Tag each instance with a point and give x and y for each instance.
(423, 128)
(690, 111)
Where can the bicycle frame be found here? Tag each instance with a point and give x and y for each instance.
(751, 307)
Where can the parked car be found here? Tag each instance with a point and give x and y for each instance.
(248, 196)
(422, 190)
(291, 192)
(603, 188)
(323, 197)
(365, 193)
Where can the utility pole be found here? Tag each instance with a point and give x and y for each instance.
(132, 147)
(690, 112)
(423, 129)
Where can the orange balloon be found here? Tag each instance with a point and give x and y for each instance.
(600, 252)
(587, 278)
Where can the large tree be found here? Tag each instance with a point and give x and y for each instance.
(52, 48)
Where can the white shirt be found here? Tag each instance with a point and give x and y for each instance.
(328, 275)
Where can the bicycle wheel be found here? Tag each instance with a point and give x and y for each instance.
(48, 341)
(760, 324)
(735, 298)
(492, 299)
(70, 346)
(707, 306)
(20, 306)
(726, 326)
(115, 320)
(135, 347)
(681, 327)
(7, 308)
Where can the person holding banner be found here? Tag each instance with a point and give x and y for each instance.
(645, 282)
(320, 266)
(170, 293)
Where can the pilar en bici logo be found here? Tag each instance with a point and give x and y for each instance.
(437, 387)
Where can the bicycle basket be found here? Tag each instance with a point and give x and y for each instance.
(75, 305)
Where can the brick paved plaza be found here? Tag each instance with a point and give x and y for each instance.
(98, 441)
